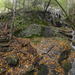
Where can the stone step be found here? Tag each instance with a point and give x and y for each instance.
(3, 40)
(6, 49)
(4, 45)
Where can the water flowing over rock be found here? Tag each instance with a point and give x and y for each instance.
(73, 39)
(73, 68)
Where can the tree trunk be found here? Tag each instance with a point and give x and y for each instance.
(46, 8)
(24, 6)
(14, 11)
(47, 5)
(68, 4)
(73, 11)
(28, 4)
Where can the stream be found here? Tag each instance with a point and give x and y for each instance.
(73, 38)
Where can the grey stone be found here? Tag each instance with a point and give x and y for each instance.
(12, 60)
(43, 70)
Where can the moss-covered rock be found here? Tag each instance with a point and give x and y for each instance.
(67, 66)
(12, 60)
(37, 31)
(42, 70)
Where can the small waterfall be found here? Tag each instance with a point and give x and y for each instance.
(73, 68)
(73, 38)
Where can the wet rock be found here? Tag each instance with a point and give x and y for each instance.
(2, 71)
(73, 68)
(12, 60)
(64, 55)
(42, 70)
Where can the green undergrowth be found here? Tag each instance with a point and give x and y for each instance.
(36, 41)
(61, 38)
(27, 19)
(63, 28)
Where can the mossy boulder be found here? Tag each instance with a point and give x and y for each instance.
(37, 31)
(42, 69)
(67, 66)
(12, 60)
(30, 31)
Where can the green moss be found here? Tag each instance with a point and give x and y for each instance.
(37, 41)
(67, 66)
(42, 69)
(60, 38)
(12, 60)
(41, 35)
(63, 28)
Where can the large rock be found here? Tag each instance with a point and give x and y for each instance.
(38, 30)
(30, 31)
(12, 60)
(67, 66)
(42, 69)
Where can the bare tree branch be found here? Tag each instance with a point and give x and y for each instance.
(65, 14)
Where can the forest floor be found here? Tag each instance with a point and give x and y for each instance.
(30, 50)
